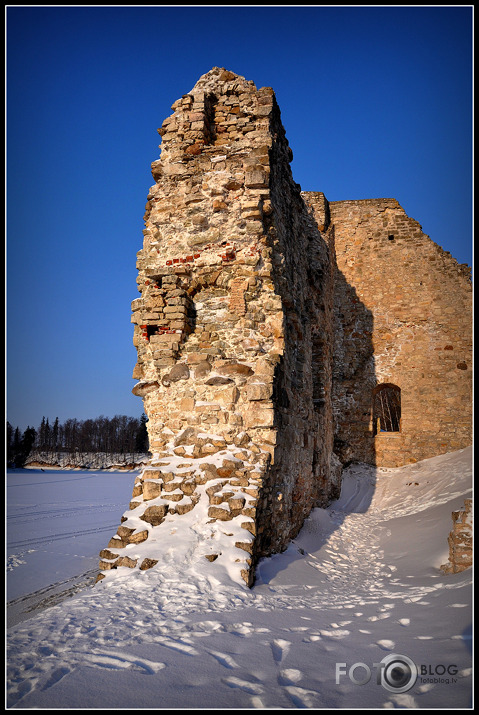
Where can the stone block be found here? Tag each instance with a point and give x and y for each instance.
(151, 490)
(124, 532)
(258, 416)
(245, 546)
(259, 391)
(228, 395)
(236, 503)
(116, 543)
(217, 512)
(106, 565)
(127, 561)
(173, 496)
(138, 537)
(234, 368)
(163, 338)
(219, 380)
(150, 473)
(184, 508)
(106, 554)
(187, 436)
(148, 564)
(155, 514)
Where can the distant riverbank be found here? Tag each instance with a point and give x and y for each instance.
(86, 460)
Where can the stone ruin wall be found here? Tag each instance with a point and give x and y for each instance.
(236, 305)
(460, 540)
(403, 316)
(266, 319)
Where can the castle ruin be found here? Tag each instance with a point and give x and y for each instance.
(280, 336)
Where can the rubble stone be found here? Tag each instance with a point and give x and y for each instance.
(460, 540)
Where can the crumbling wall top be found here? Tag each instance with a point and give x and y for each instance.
(219, 75)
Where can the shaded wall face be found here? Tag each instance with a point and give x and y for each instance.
(417, 303)
(354, 374)
(302, 277)
(351, 355)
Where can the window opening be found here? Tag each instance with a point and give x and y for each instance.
(210, 118)
(151, 330)
(386, 408)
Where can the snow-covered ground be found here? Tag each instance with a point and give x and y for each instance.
(57, 521)
(360, 586)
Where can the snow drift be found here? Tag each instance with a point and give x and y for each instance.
(359, 587)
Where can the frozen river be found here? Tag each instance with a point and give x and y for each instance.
(57, 522)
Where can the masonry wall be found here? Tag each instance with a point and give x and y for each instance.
(304, 472)
(460, 540)
(403, 316)
(267, 318)
(236, 305)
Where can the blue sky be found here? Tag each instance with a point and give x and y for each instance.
(376, 102)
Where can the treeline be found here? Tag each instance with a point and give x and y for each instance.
(19, 445)
(111, 435)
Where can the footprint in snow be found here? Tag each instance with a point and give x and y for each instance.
(403, 700)
(55, 677)
(312, 638)
(280, 649)
(386, 644)
(224, 659)
(178, 645)
(301, 697)
(381, 617)
(123, 661)
(241, 629)
(335, 634)
(341, 624)
(246, 685)
(289, 676)
(257, 703)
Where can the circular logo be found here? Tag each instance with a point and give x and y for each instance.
(398, 673)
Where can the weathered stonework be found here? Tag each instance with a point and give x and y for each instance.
(460, 540)
(403, 316)
(267, 319)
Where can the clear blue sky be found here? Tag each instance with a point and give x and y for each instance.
(376, 102)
